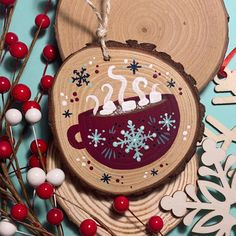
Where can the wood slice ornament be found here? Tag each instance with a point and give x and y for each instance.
(194, 33)
(128, 139)
(144, 206)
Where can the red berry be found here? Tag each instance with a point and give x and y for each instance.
(55, 216)
(49, 53)
(19, 212)
(21, 93)
(5, 84)
(155, 224)
(7, 2)
(18, 50)
(42, 20)
(5, 149)
(11, 38)
(88, 227)
(34, 161)
(121, 204)
(45, 190)
(46, 82)
(42, 146)
(30, 104)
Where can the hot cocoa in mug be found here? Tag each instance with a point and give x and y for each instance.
(129, 140)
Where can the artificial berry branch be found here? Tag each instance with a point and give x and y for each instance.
(18, 50)
(16, 205)
(9, 8)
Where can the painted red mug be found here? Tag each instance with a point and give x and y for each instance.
(129, 140)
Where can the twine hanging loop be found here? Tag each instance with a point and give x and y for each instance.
(102, 25)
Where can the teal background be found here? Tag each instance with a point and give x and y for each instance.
(22, 24)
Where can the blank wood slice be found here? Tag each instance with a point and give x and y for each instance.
(143, 206)
(194, 33)
(132, 151)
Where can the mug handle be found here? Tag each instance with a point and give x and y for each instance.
(71, 133)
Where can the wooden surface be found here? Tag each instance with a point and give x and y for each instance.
(143, 206)
(194, 33)
(98, 170)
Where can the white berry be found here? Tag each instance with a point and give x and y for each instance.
(36, 176)
(33, 115)
(13, 116)
(7, 228)
(56, 177)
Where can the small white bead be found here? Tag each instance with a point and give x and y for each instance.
(13, 116)
(56, 177)
(7, 228)
(36, 176)
(33, 115)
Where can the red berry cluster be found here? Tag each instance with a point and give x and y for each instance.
(34, 160)
(121, 205)
(17, 49)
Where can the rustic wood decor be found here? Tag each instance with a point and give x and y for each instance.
(221, 134)
(217, 175)
(143, 206)
(120, 124)
(194, 33)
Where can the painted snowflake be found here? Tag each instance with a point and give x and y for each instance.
(106, 178)
(134, 139)
(216, 196)
(134, 66)
(81, 77)
(162, 136)
(96, 137)
(167, 121)
(170, 83)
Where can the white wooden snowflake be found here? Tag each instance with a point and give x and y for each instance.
(216, 212)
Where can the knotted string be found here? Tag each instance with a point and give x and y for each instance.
(103, 25)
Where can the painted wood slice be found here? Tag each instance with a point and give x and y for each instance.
(144, 206)
(194, 33)
(125, 125)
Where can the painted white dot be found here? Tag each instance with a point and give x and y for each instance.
(189, 126)
(66, 97)
(64, 103)
(83, 164)
(90, 62)
(94, 58)
(125, 61)
(185, 133)
(150, 66)
(146, 173)
(144, 176)
(184, 138)
(77, 159)
(62, 94)
(83, 157)
(167, 73)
